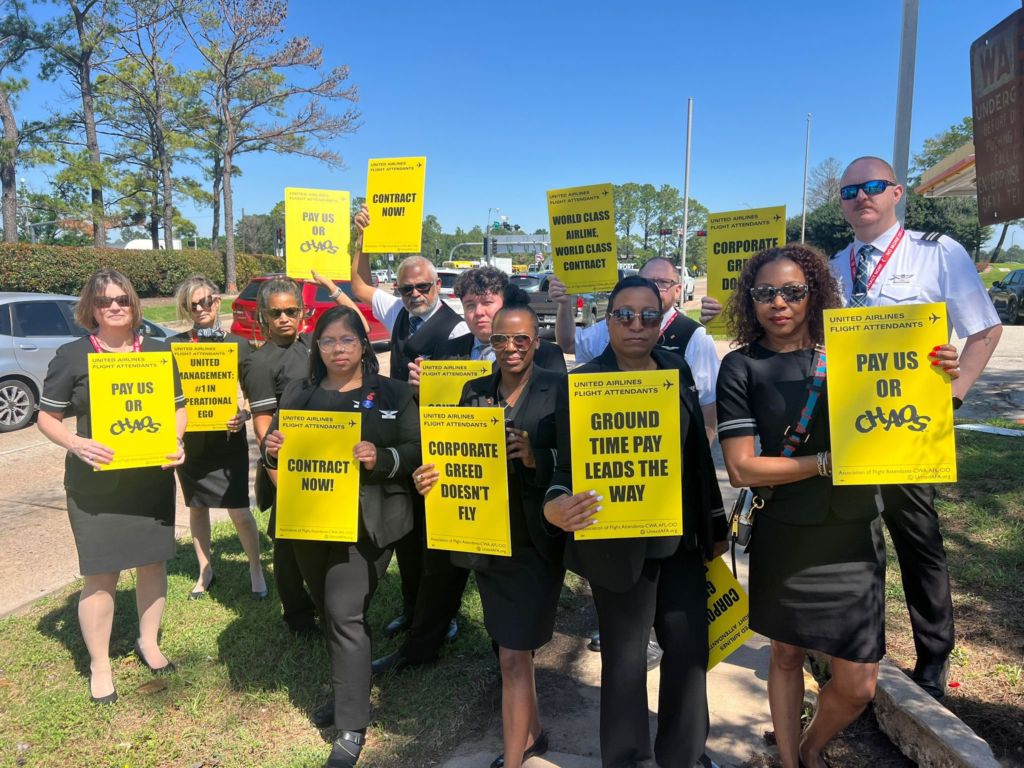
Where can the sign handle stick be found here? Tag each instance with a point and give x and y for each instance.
(686, 195)
(905, 101)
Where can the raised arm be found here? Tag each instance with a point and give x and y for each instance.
(340, 297)
(362, 282)
(565, 323)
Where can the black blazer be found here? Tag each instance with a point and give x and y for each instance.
(615, 564)
(548, 356)
(385, 492)
(536, 417)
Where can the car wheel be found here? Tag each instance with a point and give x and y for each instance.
(17, 404)
(1011, 310)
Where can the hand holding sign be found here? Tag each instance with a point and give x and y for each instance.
(518, 447)
(177, 459)
(426, 477)
(362, 219)
(91, 452)
(573, 513)
(237, 421)
(946, 357)
(273, 443)
(556, 290)
(366, 452)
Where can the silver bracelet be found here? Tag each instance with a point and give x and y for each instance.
(336, 294)
(823, 469)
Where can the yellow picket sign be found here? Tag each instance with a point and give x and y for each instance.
(728, 612)
(733, 237)
(625, 429)
(890, 410)
(132, 407)
(209, 380)
(317, 476)
(394, 194)
(441, 381)
(582, 221)
(317, 233)
(467, 510)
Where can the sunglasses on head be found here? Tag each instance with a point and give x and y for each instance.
(519, 340)
(791, 294)
(104, 302)
(871, 188)
(649, 318)
(291, 312)
(423, 288)
(205, 303)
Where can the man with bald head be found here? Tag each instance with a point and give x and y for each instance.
(887, 266)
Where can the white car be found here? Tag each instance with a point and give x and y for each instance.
(448, 278)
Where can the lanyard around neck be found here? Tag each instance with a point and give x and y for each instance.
(881, 264)
(136, 344)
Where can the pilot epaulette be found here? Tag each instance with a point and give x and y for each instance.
(931, 237)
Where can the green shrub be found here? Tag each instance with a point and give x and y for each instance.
(61, 269)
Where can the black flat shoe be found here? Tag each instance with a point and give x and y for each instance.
(452, 633)
(396, 663)
(932, 678)
(654, 654)
(165, 669)
(595, 643)
(324, 716)
(196, 594)
(400, 624)
(110, 698)
(346, 749)
(539, 747)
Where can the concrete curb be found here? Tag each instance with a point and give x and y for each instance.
(923, 729)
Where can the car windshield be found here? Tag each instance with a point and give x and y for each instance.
(529, 283)
(249, 292)
(323, 297)
(448, 280)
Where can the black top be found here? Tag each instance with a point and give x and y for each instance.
(271, 368)
(616, 564)
(391, 422)
(548, 356)
(405, 348)
(66, 388)
(677, 334)
(762, 393)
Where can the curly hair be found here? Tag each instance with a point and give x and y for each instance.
(823, 293)
(480, 280)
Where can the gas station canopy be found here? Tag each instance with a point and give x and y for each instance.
(953, 176)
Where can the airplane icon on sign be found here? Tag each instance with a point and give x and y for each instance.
(777, 217)
(351, 423)
(494, 420)
(668, 385)
(934, 318)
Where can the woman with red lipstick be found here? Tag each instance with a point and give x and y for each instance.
(817, 555)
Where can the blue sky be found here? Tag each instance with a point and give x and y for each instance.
(508, 100)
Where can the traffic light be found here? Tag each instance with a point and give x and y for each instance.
(280, 235)
(487, 248)
(494, 246)
(665, 232)
(701, 233)
(437, 251)
(516, 227)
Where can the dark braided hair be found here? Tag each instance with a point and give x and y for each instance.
(822, 293)
(273, 286)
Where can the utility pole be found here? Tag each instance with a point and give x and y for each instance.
(807, 158)
(905, 101)
(686, 194)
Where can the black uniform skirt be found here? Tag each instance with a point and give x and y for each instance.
(129, 527)
(216, 470)
(820, 587)
(520, 595)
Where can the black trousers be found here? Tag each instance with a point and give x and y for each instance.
(909, 514)
(671, 595)
(343, 577)
(440, 597)
(409, 553)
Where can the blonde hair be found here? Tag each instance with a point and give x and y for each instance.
(95, 286)
(183, 296)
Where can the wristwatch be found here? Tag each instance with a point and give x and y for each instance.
(957, 402)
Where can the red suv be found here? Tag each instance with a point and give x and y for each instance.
(316, 299)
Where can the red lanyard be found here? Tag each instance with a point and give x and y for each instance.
(670, 320)
(136, 344)
(881, 264)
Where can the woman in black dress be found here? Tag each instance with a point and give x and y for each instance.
(216, 469)
(640, 582)
(120, 519)
(520, 593)
(343, 576)
(817, 555)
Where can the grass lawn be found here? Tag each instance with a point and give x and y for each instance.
(161, 314)
(983, 524)
(244, 689)
(996, 274)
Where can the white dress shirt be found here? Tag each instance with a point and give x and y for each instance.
(386, 308)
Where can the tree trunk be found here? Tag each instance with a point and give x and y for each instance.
(154, 221)
(230, 278)
(99, 229)
(995, 251)
(218, 175)
(8, 174)
(165, 166)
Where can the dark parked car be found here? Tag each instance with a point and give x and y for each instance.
(1008, 296)
(590, 307)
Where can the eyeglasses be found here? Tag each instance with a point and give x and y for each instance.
(665, 284)
(291, 312)
(870, 188)
(791, 294)
(649, 318)
(205, 303)
(345, 342)
(104, 302)
(423, 288)
(520, 341)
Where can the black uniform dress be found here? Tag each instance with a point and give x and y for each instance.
(343, 576)
(120, 518)
(817, 556)
(520, 593)
(643, 582)
(216, 469)
(265, 375)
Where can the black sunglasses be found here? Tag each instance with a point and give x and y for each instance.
(870, 188)
(423, 288)
(519, 340)
(291, 312)
(649, 318)
(104, 302)
(791, 294)
(204, 303)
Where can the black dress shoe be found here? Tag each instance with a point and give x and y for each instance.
(654, 654)
(932, 678)
(110, 698)
(195, 595)
(539, 747)
(452, 633)
(324, 716)
(400, 624)
(166, 668)
(394, 662)
(595, 643)
(346, 749)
